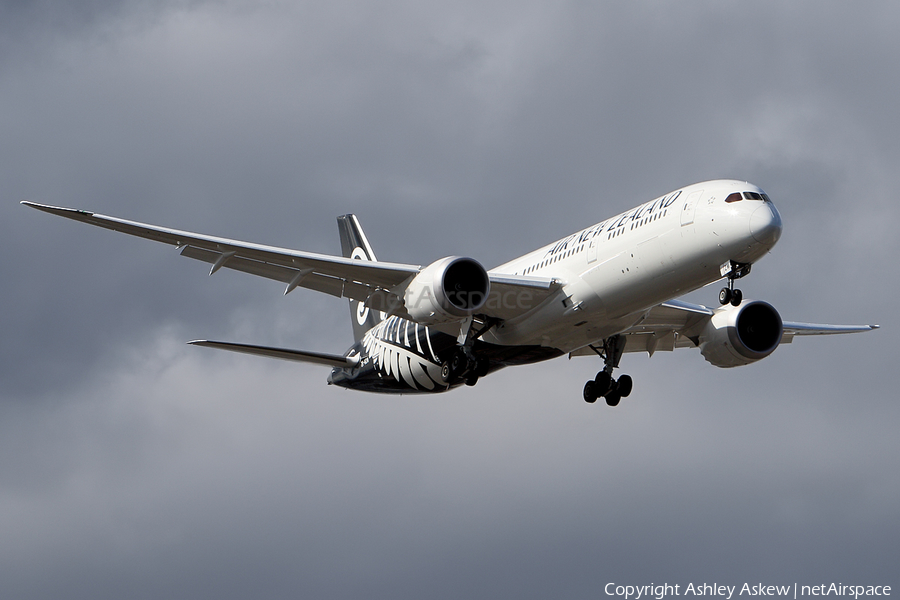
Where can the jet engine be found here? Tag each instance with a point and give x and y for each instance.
(447, 290)
(740, 335)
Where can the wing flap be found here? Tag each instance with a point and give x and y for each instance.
(676, 315)
(313, 281)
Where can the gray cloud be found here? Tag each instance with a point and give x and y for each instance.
(132, 465)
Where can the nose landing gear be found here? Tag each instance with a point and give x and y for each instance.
(733, 270)
(604, 385)
(729, 294)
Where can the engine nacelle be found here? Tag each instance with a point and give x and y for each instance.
(741, 335)
(447, 290)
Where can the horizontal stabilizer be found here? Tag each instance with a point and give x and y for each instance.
(319, 358)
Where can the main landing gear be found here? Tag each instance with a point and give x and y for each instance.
(462, 364)
(735, 270)
(604, 385)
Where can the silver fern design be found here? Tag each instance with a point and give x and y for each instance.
(395, 348)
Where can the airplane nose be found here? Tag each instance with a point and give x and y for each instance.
(765, 224)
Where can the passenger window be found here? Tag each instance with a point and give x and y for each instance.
(736, 196)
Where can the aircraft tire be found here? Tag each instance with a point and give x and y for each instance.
(602, 383)
(446, 371)
(736, 297)
(589, 393)
(724, 296)
(472, 380)
(624, 386)
(612, 398)
(458, 363)
(481, 367)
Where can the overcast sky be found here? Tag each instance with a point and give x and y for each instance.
(134, 466)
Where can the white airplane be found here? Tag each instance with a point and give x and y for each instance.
(605, 290)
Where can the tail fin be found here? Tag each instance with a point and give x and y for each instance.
(355, 245)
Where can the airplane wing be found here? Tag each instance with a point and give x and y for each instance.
(360, 280)
(330, 274)
(676, 324)
(792, 329)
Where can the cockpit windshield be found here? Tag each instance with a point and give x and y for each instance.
(737, 196)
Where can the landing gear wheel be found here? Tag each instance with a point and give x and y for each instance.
(471, 379)
(445, 372)
(461, 363)
(725, 296)
(602, 383)
(481, 368)
(457, 364)
(590, 392)
(612, 398)
(736, 297)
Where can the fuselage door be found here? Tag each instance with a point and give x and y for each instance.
(690, 205)
(592, 251)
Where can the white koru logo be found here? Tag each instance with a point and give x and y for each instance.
(362, 311)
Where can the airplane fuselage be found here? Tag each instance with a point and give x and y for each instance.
(611, 274)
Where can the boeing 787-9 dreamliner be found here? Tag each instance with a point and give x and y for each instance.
(605, 290)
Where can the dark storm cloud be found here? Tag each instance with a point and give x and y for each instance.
(134, 466)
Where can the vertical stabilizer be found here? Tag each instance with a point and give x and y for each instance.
(355, 245)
